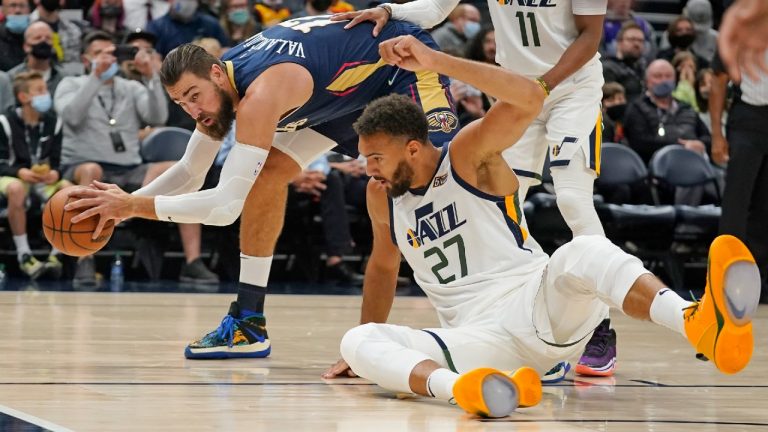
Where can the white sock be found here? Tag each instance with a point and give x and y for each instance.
(667, 310)
(22, 245)
(255, 270)
(54, 252)
(440, 384)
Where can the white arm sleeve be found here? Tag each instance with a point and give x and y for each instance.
(424, 13)
(223, 204)
(188, 174)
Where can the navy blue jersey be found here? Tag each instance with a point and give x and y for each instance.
(346, 68)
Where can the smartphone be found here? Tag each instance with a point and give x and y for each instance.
(125, 52)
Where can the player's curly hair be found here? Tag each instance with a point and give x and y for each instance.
(187, 58)
(394, 115)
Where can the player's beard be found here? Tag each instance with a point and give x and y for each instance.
(222, 121)
(401, 180)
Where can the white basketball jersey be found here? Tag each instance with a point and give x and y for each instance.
(532, 35)
(465, 246)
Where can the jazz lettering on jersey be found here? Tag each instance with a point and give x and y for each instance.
(529, 3)
(259, 43)
(431, 225)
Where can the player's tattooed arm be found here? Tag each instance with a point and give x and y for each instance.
(590, 28)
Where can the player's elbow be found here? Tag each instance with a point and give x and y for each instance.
(225, 214)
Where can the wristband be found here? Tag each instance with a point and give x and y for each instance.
(543, 85)
(387, 8)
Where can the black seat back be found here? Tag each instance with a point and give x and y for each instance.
(165, 144)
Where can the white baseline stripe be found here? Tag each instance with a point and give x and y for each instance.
(32, 419)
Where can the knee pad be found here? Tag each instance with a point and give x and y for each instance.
(352, 339)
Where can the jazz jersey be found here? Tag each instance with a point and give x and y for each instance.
(532, 35)
(466, 247)
(345, 66)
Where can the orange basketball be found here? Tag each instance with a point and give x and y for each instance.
(72, 239)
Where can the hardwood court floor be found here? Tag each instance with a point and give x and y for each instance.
(114, 361)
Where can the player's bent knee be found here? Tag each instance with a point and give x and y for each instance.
(352, 340)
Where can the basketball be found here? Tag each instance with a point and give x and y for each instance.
(72, 239)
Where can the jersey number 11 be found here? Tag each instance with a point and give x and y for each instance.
(534, 30)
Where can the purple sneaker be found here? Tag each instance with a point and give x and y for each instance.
(599, 358)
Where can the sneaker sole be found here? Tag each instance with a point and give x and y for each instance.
(734, 285)
(222, 355)
(487, 392)
(605, 371)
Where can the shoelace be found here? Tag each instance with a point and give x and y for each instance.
(597, 346)
(695, 306)
(226, 329)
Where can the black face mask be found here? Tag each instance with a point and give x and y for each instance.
(42, 50)
(616, 112)
(110, 11)
(321, 5)
(50, 5)
(682, 41)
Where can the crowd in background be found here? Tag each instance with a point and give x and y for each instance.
(62, 125)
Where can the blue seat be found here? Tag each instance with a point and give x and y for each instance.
(165, 144)
(642, 229)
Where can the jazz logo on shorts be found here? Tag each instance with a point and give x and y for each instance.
(431, 225)
(444, 121)
(558, 148)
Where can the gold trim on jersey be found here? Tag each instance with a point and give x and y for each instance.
(231, 73)
(598, 147)
(512, 204)
(354, 76)
(431, 91)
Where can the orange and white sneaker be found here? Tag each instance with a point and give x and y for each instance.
(719, 325)
(488, 392)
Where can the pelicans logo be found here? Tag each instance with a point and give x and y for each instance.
(443, 121)
(431, 225)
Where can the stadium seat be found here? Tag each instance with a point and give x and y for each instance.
(165, 144)
(674, 167)
(641, 229)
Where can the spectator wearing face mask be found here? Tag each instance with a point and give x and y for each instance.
(463, 24)
(614, 105)
(237, 21)
(30, 150)
(182, 24)
(66, 34)
(270, 12)
(627, 67)
(38, 44)
(107, 16)
(681, 35)
(12, 33)
(657, 119)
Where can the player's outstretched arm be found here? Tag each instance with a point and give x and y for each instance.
(278, 90)
(424, 13)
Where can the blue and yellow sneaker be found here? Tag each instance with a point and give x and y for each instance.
(236, 337)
